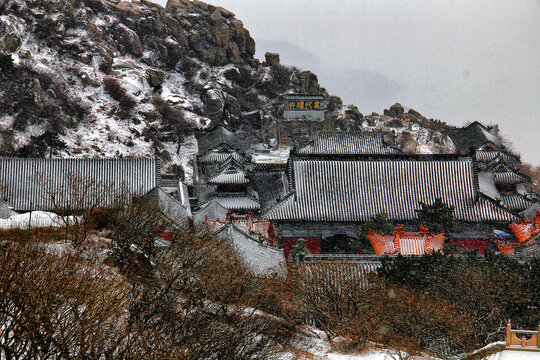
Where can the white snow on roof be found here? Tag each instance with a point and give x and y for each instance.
(487, 187)
(38, 219)
(493, 138)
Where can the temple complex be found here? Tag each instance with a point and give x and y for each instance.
(335, 181)
(221, 175)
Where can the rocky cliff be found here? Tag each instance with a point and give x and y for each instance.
(109, 78)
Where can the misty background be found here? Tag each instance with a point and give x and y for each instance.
(459, 61)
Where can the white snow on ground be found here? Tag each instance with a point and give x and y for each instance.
(38, 219)
(316, 346)
(515, 355)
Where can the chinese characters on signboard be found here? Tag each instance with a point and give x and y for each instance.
(304, 105)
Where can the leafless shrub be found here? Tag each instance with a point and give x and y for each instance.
(394, 316)
(175, 125)
(54, 306)
(113, 88)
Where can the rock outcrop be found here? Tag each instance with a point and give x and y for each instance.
(120, 78)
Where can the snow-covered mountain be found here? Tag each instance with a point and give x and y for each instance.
(134, 79)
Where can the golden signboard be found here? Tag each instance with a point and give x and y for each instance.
(304, 105)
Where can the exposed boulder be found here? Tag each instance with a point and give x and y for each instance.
(222, 34)
(155, 77)
(271, 58)
(250, 43)
(334, 102)
(9, 37)
(176, 30)
(216, 17)
(175, 5)
(309, 83)
(395, 110)
(354, 113)
(224, 12)
(129, 40)
(417, 114)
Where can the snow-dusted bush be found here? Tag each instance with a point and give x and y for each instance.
(112, 87)
(380, 312)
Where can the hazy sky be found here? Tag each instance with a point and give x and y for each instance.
(457, 61)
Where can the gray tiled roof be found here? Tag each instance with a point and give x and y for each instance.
(259, 258)
(230, 172)
(212, 210)
(220, 157)
(216, 137)
(486, 185)
(516, 202)
(51, 184)
(339, 142)
(234, 201)
(349, 190)
(171, 208)
(229, 176)
(510, 177)
(490, 155)
(339, 273)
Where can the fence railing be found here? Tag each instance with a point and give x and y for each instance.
(343, 257)
(522, 339)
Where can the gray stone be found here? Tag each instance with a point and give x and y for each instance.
(309, 83)
(216, 17)
(155, 77)
(129, 40)
(200, 5)
(177, 31)
(222, 34)
(175, 5)
(417, 114)
(225, 12)
(250, 43)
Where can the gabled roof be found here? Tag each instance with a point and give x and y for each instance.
(220, 135)
(231, 172)
(516, 202)
(234, 201)
(270, 186)
(259, 258)
(486, 185)
(350, 190)
(212, 210)
(510, 177)
(171, 208)
(213, 157)
(474, 136)
(339, 142)
(489, 156)
(52, 184)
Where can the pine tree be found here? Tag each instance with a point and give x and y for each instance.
(51, 140)
(6, 62)
(437, 217)
(378, 223)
